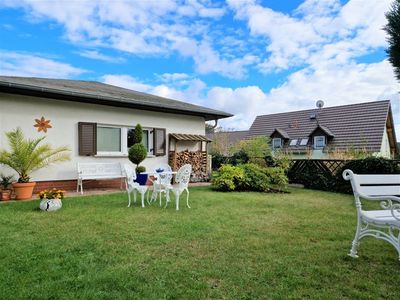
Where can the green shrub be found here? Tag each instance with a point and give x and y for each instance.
(239, 157)
(278, 179)
(137, 153)
(227, 178)
(138, 134)
(249, 177)
(218, 160)
(255, 179)
(256, 149)
(140, 169)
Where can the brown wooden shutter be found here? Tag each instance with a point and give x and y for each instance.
(159, 141)
(87, 138)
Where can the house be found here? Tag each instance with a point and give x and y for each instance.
(317, 133)
(95, 121)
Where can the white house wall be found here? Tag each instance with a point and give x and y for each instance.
(21, 111)
(385, 147)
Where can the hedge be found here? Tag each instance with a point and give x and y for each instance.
(313, 177)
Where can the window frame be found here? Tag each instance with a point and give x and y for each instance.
(124, 141)
(280, 143)
(123, 144)
(316, 146)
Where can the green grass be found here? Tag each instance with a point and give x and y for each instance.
(227, 246)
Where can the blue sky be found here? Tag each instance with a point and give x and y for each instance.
(244, 57)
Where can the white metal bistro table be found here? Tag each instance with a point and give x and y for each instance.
(160, 187)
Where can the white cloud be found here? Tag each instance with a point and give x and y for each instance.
(29, 65)
(93, 54)
(190, 92)
(336, 85)
(140, 28)
(319, 29)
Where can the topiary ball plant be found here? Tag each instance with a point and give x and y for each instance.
(138, 152)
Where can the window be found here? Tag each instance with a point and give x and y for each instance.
(276, 143)
(319, 142)
(115, 140)
(109, 139)
(293, 142)
(303, 142)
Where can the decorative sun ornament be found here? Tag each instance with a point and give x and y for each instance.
(42, 124)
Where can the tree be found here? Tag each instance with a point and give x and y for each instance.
(392, 28)
(256, 149)
(28, 155)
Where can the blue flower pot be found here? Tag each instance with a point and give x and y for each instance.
(141, 179)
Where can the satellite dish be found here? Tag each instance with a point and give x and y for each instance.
(320, 104)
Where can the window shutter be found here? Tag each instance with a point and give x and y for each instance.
(87, 138)
(159, 141)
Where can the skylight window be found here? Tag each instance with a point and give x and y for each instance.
(293, 142)
(303, 142)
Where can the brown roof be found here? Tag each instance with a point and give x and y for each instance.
(357, 126)
(189, 137)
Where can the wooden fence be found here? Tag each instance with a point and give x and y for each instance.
(326, 166)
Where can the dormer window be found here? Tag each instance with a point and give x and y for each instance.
(276, 143)
(319, 142)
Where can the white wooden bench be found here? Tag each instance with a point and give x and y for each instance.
(383, 223)
(99, 171)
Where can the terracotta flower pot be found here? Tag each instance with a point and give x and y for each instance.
(5, 195)
(23, 190)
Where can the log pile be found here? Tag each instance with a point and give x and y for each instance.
(197, 159)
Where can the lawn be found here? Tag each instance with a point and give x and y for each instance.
(228, 245)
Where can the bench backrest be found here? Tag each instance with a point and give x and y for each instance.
(373, 185)
(100, 169)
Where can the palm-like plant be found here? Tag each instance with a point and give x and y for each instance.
(26, 155)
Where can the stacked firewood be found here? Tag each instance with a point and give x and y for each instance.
(197, 159)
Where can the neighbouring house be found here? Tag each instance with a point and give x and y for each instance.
(317, 133)
(96, 120)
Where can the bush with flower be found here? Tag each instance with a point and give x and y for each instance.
(51, 194)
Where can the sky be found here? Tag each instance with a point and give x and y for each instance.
(244, 57)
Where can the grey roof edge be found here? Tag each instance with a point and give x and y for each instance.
(32, 90)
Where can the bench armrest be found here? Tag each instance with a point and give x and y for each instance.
(387, 203)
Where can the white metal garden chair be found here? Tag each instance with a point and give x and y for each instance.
(383, 223)
(132, 186)
(163, 174)
(182, 183)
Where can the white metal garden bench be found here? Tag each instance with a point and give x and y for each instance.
(384, 223)
(99, 171)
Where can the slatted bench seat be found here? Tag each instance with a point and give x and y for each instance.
(99, 171)
(383, 223)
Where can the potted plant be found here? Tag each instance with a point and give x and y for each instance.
(26, 156)
(5, 182)
(51, 199)
(137, 153)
